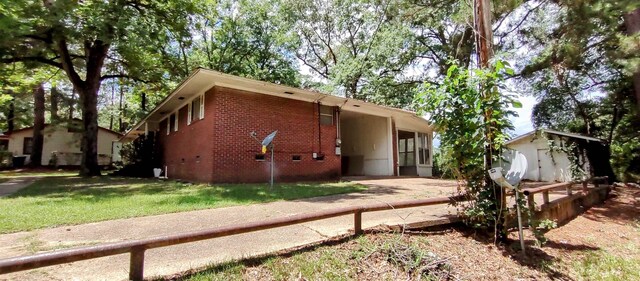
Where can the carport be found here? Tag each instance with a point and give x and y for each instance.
(366, 144)
(377, 141)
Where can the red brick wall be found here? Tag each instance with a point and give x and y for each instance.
(187, 153)
(227, 152)
(237, 113)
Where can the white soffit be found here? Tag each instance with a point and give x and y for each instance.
(201, 80)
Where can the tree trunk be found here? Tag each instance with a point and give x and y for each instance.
(11, 114)
(38, 126)
(89, 100)
(113, 90)
(121, 111)
(72, 103)
(632, 23)
(55, 97)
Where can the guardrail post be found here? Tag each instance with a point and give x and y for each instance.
(545, 197)
(531, 203)
(569, 192)
(136, 266)
(357, 222)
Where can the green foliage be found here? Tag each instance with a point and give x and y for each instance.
(580, 74)
(141, 156)
(6, 158)
(361, 54)
(439, 168)
(464, 116)
(245, 38)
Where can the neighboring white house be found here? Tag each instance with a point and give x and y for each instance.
(63, 142)
(547, 163)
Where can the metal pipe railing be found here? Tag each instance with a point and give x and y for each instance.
(137, 248)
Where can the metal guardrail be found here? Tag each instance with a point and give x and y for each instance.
(568, 186)
(137, 248)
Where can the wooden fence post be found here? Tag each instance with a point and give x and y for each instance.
(531, 203)
(545, 197)
(357, 222)
(136, 266)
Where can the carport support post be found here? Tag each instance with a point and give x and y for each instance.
(357, 222)
(136, 266)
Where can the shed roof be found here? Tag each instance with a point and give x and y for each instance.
(554, 132)
(46, 125)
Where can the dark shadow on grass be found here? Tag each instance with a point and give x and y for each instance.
(107, 188)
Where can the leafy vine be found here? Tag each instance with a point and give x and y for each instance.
(464, 115)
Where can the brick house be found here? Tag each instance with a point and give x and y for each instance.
(205, 127)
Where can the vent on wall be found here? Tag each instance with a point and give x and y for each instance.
(296, 157)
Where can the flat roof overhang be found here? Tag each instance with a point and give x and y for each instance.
(202, 80)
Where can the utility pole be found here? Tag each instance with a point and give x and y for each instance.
(484, 32)
(484, 46)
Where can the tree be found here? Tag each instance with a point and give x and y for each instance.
(245, 38)
(125, 38)
(581, 74)
(361, 54)
(38, 125)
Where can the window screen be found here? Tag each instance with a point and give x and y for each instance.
(423, 149)
(326, 115)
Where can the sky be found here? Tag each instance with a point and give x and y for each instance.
(522, 123)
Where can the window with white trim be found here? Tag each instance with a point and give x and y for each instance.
(424, 154)
(175, 123)
(196, 109)
(326, 115)
(189, 114)
(201, 106)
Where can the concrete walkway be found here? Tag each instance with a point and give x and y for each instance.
(176, 259)
(9, 187)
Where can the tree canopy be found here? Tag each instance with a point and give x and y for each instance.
(109, 62)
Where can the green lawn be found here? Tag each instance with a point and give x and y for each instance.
(68, 200)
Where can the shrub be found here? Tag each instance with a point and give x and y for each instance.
(141, 156)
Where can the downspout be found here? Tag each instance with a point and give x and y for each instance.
(319, 131)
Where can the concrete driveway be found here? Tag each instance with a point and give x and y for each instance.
(176, 259)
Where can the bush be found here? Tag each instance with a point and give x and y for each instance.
(6, 158)
(141, 156)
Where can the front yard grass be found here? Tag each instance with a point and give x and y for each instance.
(69, 200)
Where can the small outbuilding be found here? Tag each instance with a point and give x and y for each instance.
(554, 156)
(61, 144)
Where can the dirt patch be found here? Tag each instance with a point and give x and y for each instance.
(601, 244)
